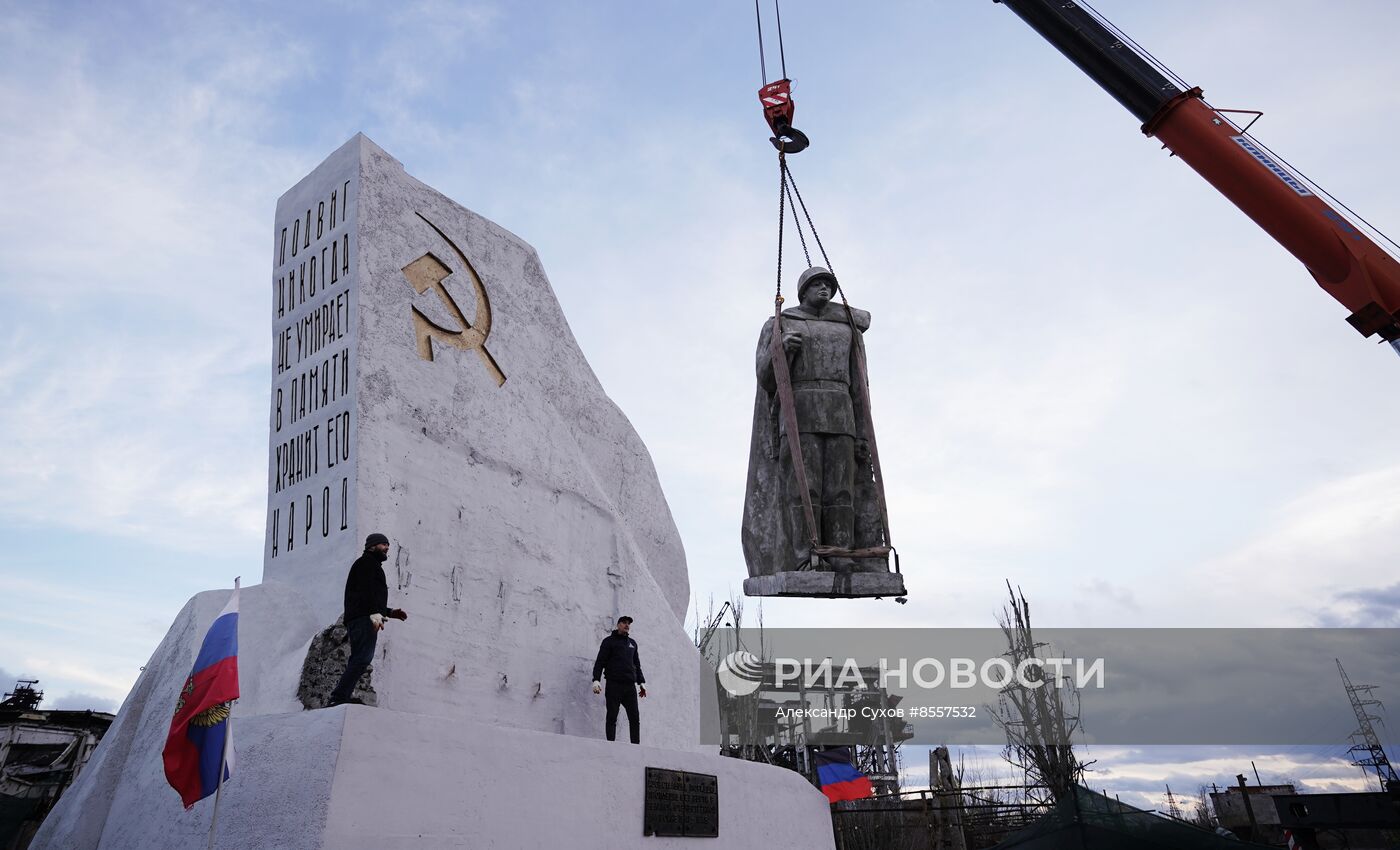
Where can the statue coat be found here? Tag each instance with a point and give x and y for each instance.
(765, 534)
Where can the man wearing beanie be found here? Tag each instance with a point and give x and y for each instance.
(618, 658)
(366, 606)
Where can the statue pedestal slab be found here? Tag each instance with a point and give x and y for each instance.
(826, 585)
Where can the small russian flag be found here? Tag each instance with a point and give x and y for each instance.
(838, 778)
(200, 740)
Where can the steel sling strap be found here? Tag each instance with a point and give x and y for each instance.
(787, 407)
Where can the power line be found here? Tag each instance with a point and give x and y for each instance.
(1368, 752)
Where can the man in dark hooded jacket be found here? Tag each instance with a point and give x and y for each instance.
(618, 658)
(366, 607)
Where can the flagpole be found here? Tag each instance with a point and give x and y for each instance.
(223, 753)
(223, 764)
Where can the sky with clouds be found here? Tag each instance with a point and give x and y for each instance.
(1091, 375)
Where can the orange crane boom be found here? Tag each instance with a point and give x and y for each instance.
(1354, 269)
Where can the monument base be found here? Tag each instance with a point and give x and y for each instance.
(826, 585)
(354, 777)
(357, 777)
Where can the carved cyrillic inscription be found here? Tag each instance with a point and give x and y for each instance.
(312, 419)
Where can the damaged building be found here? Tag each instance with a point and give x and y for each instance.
(41, 753)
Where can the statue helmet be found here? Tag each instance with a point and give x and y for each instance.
(816, 273)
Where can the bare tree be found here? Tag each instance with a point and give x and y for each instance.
(1037, 724)
(1203, 815)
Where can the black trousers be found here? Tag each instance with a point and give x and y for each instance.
(363, 638)
(624, 695)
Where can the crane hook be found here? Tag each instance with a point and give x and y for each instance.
(789, 139)
(778, 110)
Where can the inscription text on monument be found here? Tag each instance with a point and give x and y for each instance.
(681, 803)
(312, 414)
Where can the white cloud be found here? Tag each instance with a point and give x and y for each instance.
(1139, 775)
(108, 683)
(133, 262)
(76, 631)
(1313, 562)
(117, 436)
(77, 701)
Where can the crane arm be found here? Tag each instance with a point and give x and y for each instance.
(1345, 262)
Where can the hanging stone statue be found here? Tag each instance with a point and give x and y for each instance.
(812, 381)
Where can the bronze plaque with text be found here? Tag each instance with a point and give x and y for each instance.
(680, 803)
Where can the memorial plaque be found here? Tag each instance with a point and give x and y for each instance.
(679, 803)
(701, 805)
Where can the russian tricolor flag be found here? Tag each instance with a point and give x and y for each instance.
(200, 743)
(838, 779)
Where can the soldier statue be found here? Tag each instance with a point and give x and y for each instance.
(824, 352)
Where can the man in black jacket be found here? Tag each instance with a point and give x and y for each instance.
(618, 657)
(366, 606)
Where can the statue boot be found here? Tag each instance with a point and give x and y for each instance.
(838, 529)
(802, 557)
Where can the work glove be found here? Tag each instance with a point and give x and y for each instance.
(377, 620)
(399, 614)
(597, 686)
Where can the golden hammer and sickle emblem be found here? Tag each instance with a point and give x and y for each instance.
(428, 272)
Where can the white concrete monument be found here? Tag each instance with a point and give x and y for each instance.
(426, 385)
